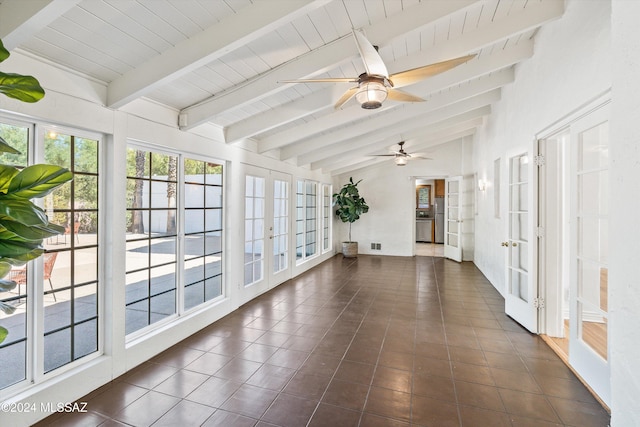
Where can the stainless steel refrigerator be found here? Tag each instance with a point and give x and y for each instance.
(438, 206)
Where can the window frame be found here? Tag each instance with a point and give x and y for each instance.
(327, 222)
(180, 310)
(305, 220)
(35, 330)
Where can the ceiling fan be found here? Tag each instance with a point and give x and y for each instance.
(401, 157)
(376, 85)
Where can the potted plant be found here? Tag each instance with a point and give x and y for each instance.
(23, 225)
(349, 208)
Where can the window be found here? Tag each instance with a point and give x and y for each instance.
(306, 219)
(326, 217)
(64, 283)
(155, 221)
(152, 238)
(203, 232)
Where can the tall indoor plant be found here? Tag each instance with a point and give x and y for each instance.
(23, 225)
(350, 205)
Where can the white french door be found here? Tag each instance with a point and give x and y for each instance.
(588, 308)
(521, 292)
(266, 253)
(453, 218)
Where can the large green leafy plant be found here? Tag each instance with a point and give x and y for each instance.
(23, 225)
(350, 205)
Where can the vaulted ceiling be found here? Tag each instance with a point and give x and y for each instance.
(222, 62)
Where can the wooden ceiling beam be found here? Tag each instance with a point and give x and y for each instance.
(250, 23)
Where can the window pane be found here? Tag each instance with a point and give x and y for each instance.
(18, 138)
(57, 149)
(86, 155)
(194, 196)
(71, 264)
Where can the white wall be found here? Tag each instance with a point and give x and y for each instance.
(624, 297)
(570, 66)
(390, 193)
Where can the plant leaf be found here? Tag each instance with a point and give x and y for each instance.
(6, 175)
(23, 88)
(3, 334)
(38, 181)
(19, 251)
(5, 268)
(22, 211)
(36, 233)
(6, 148)
(7, 285)
(7, 308)
(4, 53)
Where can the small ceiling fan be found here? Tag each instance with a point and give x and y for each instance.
(401, 157)
(376, 85)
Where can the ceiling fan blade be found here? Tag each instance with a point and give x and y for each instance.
(327, 80)
(345, 97)
(373, 63)
(398, 95)
(382, 155)
(408, 77)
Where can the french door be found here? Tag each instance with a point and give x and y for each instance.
(266, 249)
(453, 218)
(521, 292)
(588, 308)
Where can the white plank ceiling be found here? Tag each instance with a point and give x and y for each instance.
(221, 62)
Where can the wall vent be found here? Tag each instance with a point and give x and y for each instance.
(376, 246)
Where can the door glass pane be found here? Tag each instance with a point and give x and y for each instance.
(593, 329)
(593, 148)
(254, 229)
(519, 286)
(519, 255)
(592, 238)
(519, 197)
(280, 221)
(518, 223)
(593, 193)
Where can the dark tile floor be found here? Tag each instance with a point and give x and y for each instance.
(377, 341)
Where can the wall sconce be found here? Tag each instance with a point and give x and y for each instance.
(482, 185)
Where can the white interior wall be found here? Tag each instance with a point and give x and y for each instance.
(624, 290)
(390, 193)
(570, 66)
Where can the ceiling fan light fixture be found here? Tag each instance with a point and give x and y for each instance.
(401, 161)
(371, 95)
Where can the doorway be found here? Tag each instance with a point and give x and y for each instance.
(267, 258)
(573, 235)
(429, 217)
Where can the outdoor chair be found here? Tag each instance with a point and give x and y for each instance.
(19, 275)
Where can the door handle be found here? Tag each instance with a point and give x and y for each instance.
(514, 244)
(504, 244)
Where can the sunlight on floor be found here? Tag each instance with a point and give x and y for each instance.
(429, 249)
